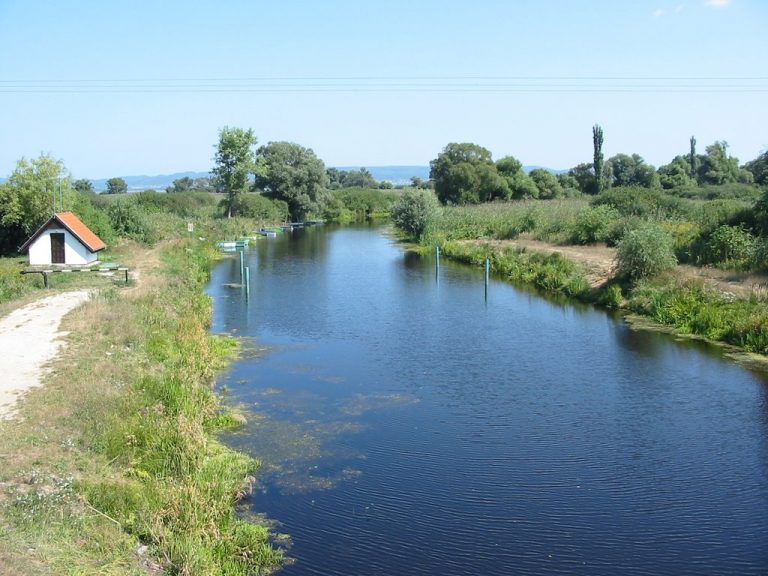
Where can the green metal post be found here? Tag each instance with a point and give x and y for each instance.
(242, 273)
(247, 283)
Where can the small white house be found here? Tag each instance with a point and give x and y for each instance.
(63, 239)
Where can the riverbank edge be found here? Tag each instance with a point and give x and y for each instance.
(683, 307)
(113, 467)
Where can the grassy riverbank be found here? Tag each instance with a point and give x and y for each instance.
(113, 466)
(686, 304)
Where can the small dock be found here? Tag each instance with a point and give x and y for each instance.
(46, 271)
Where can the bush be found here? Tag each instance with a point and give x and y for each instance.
(414, 211)
(260, 207)
(643, 202)
(645, 251)
(594, 224)
(731, 246)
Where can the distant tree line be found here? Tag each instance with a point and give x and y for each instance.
(465, 173)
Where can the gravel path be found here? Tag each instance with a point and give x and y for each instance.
(29, 339)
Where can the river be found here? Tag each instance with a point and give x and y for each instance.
(410, 423)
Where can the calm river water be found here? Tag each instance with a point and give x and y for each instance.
(408, 425)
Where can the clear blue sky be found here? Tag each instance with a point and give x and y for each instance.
(123, 88)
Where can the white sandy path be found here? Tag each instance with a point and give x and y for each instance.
(29, 339)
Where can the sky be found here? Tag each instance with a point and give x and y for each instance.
(143, 87)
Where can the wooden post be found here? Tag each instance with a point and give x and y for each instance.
(45, 279)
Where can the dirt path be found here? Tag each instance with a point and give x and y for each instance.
(29, 339)
(599, 263)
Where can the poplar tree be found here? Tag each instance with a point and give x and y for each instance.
(692, 158)
(597, 141)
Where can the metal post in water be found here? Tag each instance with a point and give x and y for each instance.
(247, 283)
(487, 274)
(437, 260)
(242, 272)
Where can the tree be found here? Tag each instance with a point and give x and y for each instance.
(465, 174)
(716, 167)
(585, 177)
(546, 183)
(184, 184)
(116, 186)
(83, 186)
(414, 211)
(28, 198)
(759, 169)
(233, 163)
(632, 170)
(520, 184)
(597, 143)
(291, 173)
(693, 160)
(676, 174)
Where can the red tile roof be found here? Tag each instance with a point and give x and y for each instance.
(81, 231)
(75, 226)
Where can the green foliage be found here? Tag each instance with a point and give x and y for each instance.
(12, 283)
(550, 273)
(759, 169)
(597, 164)
(184, 184)
(350, 178)
(642, 202)
(291, 173)
(521, 186)
(594, 224)
(645, 251)
(27, 199)
(259, 207)
(130, 221)
(83, 186)
(233, 162)
(676, 174)
(546, 183)
(357, 204)
(415, 211)
(627, 170)
(731, 246)
(116, 186)
(716, 167)
(693, 309)
(584, 175)
(465, 174)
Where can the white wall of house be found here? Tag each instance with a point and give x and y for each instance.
(74, 251)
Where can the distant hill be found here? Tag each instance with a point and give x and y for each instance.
(160, 182)
(395, 174)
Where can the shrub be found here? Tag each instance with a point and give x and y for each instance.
(259, 207)
(414, 211)
(643, 202)
(645, 251)
(731, 246)
(593, 224)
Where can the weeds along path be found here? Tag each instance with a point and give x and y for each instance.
(29, 339)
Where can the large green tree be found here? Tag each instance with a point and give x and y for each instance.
(34, 189)
(464, 173)
(234, 161)
(676, 174)
(116, 186)
(632, 170)
(716, 167)
(520, 184)
(547, 184)
(291, 173)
